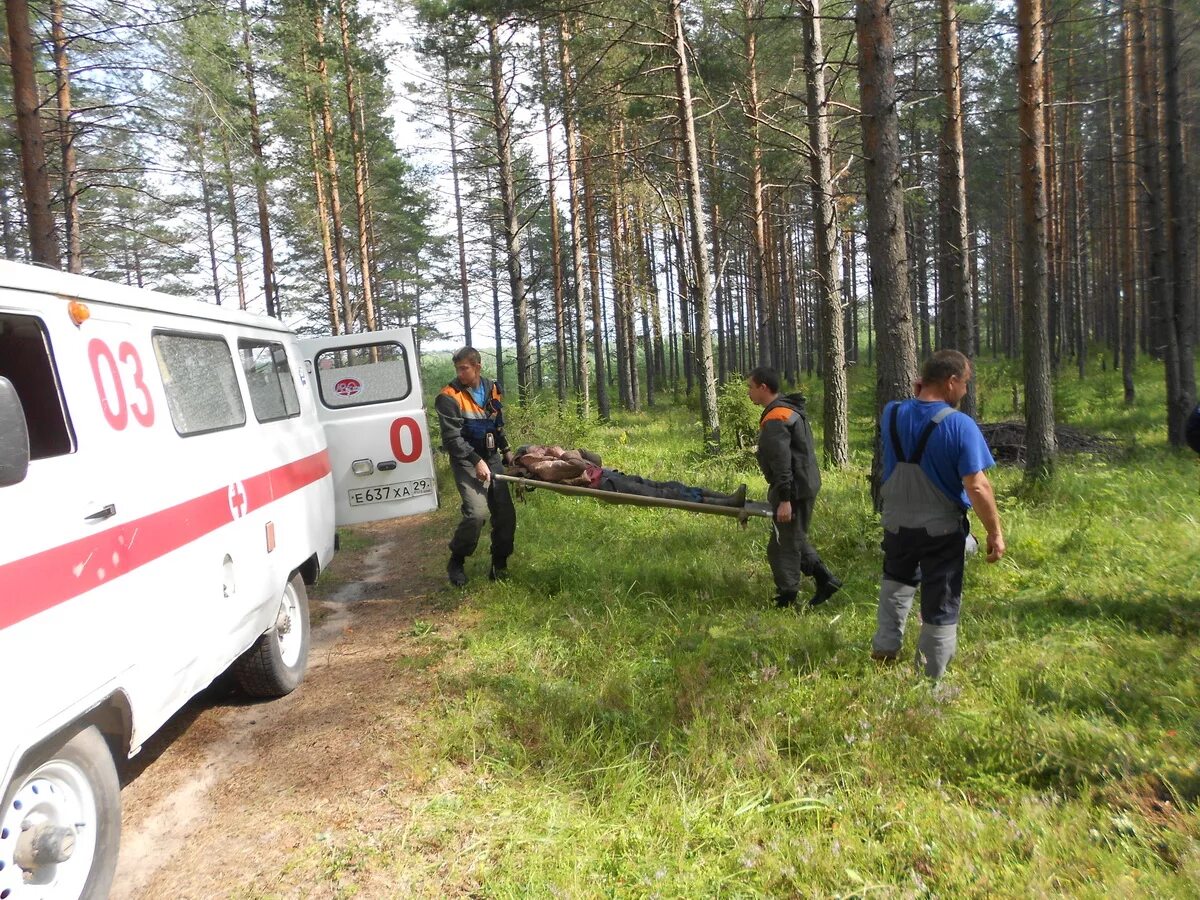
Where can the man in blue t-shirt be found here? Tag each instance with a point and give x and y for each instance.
(933, 472)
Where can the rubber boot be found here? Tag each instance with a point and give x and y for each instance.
(827, 585)
(784, 599)
(736, 499)
(499, 570)
(456, 572)
(936, 647)
(895, 600)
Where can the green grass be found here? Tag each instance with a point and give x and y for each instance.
(635, 719)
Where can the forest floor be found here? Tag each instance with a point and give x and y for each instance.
(630, 716)
(237, 793)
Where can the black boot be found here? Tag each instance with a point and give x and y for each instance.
(784, 599)
(827, 585)
(456, 572)
(736, 499)
(499, 570)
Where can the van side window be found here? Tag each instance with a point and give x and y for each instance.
(26, 361)
(272, 389)
(358, 376)
(200, 380)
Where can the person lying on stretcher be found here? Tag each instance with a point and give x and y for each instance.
(583, 468)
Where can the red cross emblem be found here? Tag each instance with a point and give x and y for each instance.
(238, 502)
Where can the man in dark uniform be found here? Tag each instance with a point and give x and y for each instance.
(788, 461)
(471, 416)
(934, 462)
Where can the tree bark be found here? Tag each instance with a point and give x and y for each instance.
(1040, 444)
(577, 237)
(66, 136)
(260, 173)
(896, 351)
(335, 318)
(837, 428)
(331, 166)
(560, 357)
(704, 360)
(458, 212)
(206, 199)
(234, 227)
(43, 242)
(358, 149)
(508, 202)
(1181, 316)
(954, 301)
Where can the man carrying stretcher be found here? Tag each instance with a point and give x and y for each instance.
(582, 468)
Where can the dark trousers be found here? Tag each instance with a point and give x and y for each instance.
(479, 503)
(912, 556)
(613, 480)
(788, 551)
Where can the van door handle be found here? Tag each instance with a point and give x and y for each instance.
(104, 512)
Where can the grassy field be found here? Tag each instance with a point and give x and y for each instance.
(637, 720)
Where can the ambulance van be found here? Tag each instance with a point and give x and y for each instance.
(171, 473)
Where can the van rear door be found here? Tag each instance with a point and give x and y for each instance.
(368, 392)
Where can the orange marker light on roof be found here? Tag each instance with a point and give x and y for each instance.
(78, 312)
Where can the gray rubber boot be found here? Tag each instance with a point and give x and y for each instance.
(895, 600)
(936, 646)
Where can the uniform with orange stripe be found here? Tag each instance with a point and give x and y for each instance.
(787, 457)
(471, 417)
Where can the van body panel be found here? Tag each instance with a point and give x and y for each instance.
(149, 543)
(368, 394)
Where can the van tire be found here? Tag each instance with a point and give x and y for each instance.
(275, 663)
(71, 779)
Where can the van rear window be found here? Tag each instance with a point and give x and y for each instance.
(26, 361)
(272, 388)
(358, 376)
(200, 380)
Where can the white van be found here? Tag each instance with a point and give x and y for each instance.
(171, 473)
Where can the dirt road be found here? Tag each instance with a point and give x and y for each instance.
(231, 798)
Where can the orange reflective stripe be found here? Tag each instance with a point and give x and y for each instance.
(778, 414)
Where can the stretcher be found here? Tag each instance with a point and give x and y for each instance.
(742, 513)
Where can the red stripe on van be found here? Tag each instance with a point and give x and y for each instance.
(37, 583)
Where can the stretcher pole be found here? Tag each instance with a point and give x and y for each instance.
(742, 513)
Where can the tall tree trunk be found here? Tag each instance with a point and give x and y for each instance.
(704, 360)
(260, 173)
(331, 166)
(714, 207)
(1158, 272)
(599, 328)
(560, 357)
(1182, 315)
(508, 202)
(572, 140)
(206, 199)
(1130, 238)
(335, 317)
(1040, 444)
(43, 243)
(66, 137)
(458, 212)
(837, 440)
(752, 10)
(955, 301)
(896, 366)
(358, 150)
(234, 227)
(7, 230)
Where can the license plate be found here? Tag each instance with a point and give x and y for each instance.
(386, 493)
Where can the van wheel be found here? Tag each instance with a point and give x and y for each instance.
(275, 663)
(60, 826)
